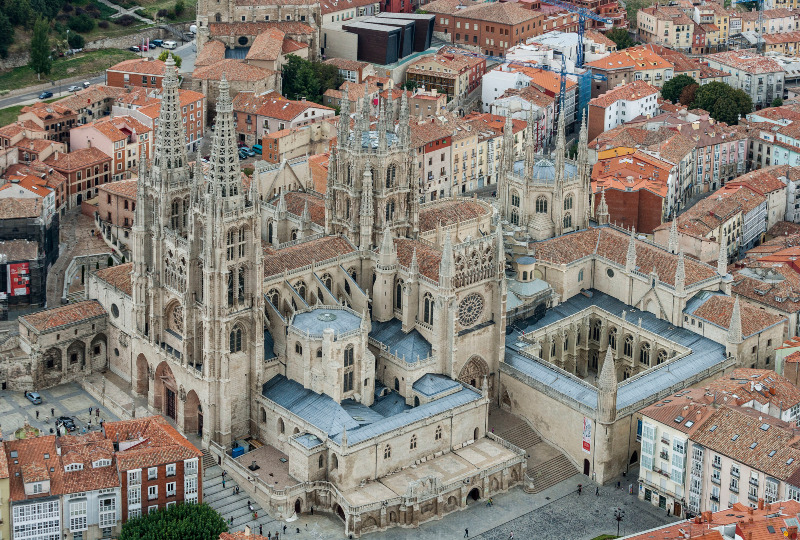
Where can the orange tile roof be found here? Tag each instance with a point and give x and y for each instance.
(718, 309)
(694, 405)
(267, 45)
(639, 57)
(304, 253)
(118, 276)
(318, 163)
(625, 92)
(784, 228)
(35, 457)
(141, 66)
(749, 62)
(255, 28)
(153, 442)
(77, 159)
(286, 109)
(233, 70)
(448, 212)
(124, 188)
(612, 244)
(290, 46)
(344, 63)
(86, 450)
(632, 172)
(429, 258)
(213, 51)
(48, 111)
(50, 319)
(497, 12)
(296, 202)
(545, 80)
(764, 386)
(448, 6)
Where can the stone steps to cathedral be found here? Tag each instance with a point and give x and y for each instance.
(229, 505)
(208, 459)
(521, 435)
(552, 472)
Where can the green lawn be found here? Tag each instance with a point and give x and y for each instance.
(9, 114)
(88, 62)
(605, 537)
(151, 7)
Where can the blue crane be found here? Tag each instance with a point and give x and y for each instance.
(584, 79)
(760, 5)
(583, 14)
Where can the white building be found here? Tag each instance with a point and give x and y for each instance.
(620, 105)
(760, 77)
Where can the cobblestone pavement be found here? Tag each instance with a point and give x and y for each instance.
(67, 400)
(76, 239)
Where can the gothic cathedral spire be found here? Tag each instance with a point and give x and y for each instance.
(225, 176)
(169, 157)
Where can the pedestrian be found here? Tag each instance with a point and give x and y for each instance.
(618, 483)
(284, 529)
(223, 483)
(597, 491)
(269, 535)
(667, 511)
(580, 488)
(234, 491)
(52, 411)
(466, 533)
(250, 506)
(511, 536)
(97, 412)
(492, 430)
(90, 410)
(260, 530)
(312, 510)
(297, 530)
(37, 414)
(231, 520)
(46, 419)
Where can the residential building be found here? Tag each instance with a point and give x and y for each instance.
(90, 103)
(56, 119)
(124, 138)
(695, 68)
(718, 25)
(771, 184)
(760, 77)
(634, 188)
(633, 64)
(144, 72)
(621, 104)
(31, 141)
(293, 143)
(85, 170)
(241, 77)
(29, 186)
(157, 466)
(454, 75)
(52, 179)
(424, 103)
(352, 70)
(491, 128)
(433, 142)
(467, 163)
(533, 106)
(116, 207)
(668, 26)
(259, 115)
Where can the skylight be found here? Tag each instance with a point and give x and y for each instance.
(713, 428)
(752, 446)
(764, 427)
(679, 419)
(689, 423)
(735, 437)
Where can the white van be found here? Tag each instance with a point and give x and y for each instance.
(169, 44)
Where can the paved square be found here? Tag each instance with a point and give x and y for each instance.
(66, 400)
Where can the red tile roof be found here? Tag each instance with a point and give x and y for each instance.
(718, 308)
(77, 159)
(694, 405)
(267, 45)
(20, 208)
(141, 66)
(318, 163)
(123, 188)
(31, 465)
(152, 441)
(428, 257)
(625, 92)
(749, 62)
(50, 319)
(448, 212)
(255, 28)
(304, 253)
(233, 70)
(296, 202)
(118, 276)
(213, 51)
(764, 386)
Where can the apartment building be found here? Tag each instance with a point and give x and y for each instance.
(638, 63)
(352, 70)
(452, 74)
(466, 161)
(116, 206)
(490, 128)
(85, 170)
(54, 118)
(718, 24)
(255, 116)
(621, 104)
(144, 72)
(668, 26)
(31, 141)
(433, 141)
(760, 77)
(123, 138)
(51, 178)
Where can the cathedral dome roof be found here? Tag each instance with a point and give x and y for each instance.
(316, 320)
(545, 169)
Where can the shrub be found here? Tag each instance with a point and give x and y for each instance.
(103, 24)
(125, 20)
(179, 7)
(79, 11)
(76, 41)
(171, 14)
(66, 8)
(161, 13)
(81, 23)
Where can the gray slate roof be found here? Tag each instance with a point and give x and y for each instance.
(317, 320)
(432, 384)
(705, 353)
(410, 345)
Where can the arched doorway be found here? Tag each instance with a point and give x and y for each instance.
(474, 371)
(474, 495)
(476, 434)
(97, 350)
(340, 513)
(76, 354)
(165, 391)
(142, 384)
(634, 458)
(298, 506)
(586, 467)
(191, 412)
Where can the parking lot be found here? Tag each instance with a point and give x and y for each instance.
(65, 400)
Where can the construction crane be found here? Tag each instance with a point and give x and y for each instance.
(760, 31)
(583, 14)
(584, 79)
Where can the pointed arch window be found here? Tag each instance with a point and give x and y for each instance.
(568, 203)
(274, 297)
(427, 311)
(514, 217)
(390, 212)
(349, 369)
(231, 278)
(240, 285)
(541, 205)
(567, 221)
(413, 443)
(387, 451)
(612, 338)
(235, 339)
(644, 354)
(391, 173)
(176, 218)
(328, 281)
(438, 434)
(628, 347)
(597, 327)
(232, 242)
(242, 242)
(300, 287)
(398, 294)
(662, 357)
(515, 199)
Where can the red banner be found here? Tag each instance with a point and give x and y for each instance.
(19, 279)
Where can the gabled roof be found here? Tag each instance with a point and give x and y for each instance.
(304, 253)
(141, 66)
(233, 70)
(448, 211)
(153, 441)
(77, 159)
(50, 319)
(118, 277)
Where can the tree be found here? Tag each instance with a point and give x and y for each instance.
(777, 102)
(81, 23)
(40, 61)
(409, 85)
(6, 34)
(724, 103)
(621, 37)
(18, 11)
(76, 41)
(164, 55)
(688, 94)
(328, 76)
(179, 7)
(303, 78)
(672, 89)
(178, 522)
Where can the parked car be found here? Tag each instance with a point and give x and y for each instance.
(241, 144)
(34, 397)
(67, 422)
(45, 95)
(135, 48)
(257, 148)
(86, 84)
(242, 154)
(156, 42)
(73, 88)
(250, 152)
(169, 44)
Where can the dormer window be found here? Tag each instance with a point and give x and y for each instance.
(74, 467)
(38, 488)
(101, 463)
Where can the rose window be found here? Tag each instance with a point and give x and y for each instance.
(470, 309)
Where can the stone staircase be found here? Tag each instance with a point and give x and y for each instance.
(521, 435)
(233, 506)
(208, 459)
(552, 472)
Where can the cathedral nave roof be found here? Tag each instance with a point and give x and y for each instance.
(428, 257)
(296, 202)
(450, 211)
(304, 253)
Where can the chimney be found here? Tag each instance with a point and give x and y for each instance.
(707, 516)
(793, 531)
(90, 143)
(760, 501)
(750, 510)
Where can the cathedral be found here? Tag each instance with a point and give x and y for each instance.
(350, 343)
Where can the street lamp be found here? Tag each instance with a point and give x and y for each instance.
(619, 515)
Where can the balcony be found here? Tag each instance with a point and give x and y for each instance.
(715, 498)
(752, 497)
(664, 455)
(664, 440)
(734, 489)
(753, 482)
(715, 480)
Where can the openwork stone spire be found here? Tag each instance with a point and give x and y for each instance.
(447, 265)
(680, 274)
(170, 142)
(630, 257)
(344, 119)
(225, 175)
(404, 128)
(602, 209)
(561, 150)
(673, 236)
(722, 261)
(607, 390)
(508, 146)
(735, 326)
